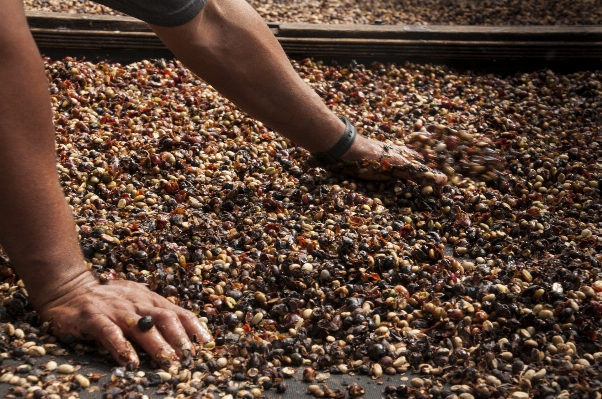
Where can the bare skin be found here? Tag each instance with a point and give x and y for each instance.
(37, 229)
(115, 323)
(228, 45)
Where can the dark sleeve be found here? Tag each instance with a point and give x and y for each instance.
(158, 12)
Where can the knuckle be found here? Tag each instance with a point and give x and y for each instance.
(88, 310)
(167, 314)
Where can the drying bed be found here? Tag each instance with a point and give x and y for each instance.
(490, 286)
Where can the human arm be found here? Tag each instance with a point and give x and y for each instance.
(37, 229)
(231, 47)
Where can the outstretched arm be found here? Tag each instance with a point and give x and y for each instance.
(37, 229)
(231, 47)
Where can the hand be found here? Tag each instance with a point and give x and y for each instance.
(374, 160)
(109, 314)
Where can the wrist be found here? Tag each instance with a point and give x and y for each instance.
(45, 282)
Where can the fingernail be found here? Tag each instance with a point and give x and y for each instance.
(206, 336)
(128, 356)
(166, 355)
(183, 343)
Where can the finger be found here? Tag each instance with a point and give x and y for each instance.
(412, 167)
(168, 324)
(192, 324)
(188, 320)
(432, 176)
(397, 167)
(408, 153)
(110, 335)
(441, 179)
(419, 173)
(68, 325)
(152, 341)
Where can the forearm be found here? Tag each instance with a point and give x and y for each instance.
(231, 47)
(36, 225)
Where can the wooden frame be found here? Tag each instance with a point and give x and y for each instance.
(118, 37)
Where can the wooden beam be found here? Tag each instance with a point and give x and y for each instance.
(439, 50)
(444, 32)
(72, 34)
(64, 21)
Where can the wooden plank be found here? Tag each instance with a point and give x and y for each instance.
(48, 20)
(436, 49)
(68, 34)
(96, 39)
(439, 50)
(64, 21)
(443, 32)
